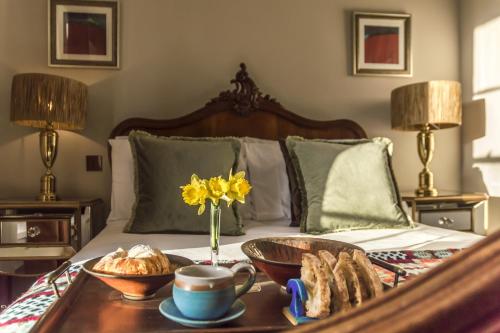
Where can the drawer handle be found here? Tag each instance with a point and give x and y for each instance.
(33, 231)
(446, 221)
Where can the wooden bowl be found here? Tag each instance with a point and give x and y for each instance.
(137, 287)
(280, 257)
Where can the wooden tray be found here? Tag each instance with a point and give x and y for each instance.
(88, 305)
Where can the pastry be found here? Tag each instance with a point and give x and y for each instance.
(316, 283)
(336, 281)
(108, 259)
(139, 260)
(367, 274)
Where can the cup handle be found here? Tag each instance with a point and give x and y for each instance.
(242, 266)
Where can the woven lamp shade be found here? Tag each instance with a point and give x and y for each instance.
(437, 103)
(37, 99)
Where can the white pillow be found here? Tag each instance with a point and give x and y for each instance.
(270, 193)
(122, 179)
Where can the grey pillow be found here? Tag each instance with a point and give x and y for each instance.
(164, 164)
(346, 185)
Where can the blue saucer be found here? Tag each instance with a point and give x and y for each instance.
(169, 310)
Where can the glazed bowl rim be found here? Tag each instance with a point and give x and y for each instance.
(246, 251)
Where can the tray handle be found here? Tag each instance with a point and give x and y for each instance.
(398, 271)
(54, 275)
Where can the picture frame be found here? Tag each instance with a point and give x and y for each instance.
(83, 34)
(382, 44)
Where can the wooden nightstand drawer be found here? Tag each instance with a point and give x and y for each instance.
(29, 229)
(462, 212)
(48, 231)
(450, 219)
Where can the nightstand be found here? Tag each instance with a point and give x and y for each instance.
(456, 211)
(36, 237)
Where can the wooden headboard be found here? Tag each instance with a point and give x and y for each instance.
(243, 111)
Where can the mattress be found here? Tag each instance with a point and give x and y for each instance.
(195, 247)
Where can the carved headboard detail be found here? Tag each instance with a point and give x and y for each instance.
(245, 97)
(243, 111)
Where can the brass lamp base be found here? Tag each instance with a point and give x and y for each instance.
(426, 193)
(425, 145)
(48, 152)
(425, 185)
(47, 187)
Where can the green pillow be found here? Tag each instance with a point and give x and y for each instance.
(346, 185)
(164, 164)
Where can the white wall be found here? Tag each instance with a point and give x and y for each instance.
(480, 74)
(177, 54)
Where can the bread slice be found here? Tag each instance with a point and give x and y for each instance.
(336, 281)
(346, 265)
(316, 282)
(367, 274)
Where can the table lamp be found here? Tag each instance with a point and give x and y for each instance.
(424, 107)
(48, 102)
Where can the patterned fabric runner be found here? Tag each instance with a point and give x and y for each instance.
(413, 262)
(21, 315)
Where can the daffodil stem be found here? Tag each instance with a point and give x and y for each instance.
(214, 233)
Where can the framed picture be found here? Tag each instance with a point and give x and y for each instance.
(83, 33)
(382, 44)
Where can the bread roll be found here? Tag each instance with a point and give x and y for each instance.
(345, 264)
(316, 282)
(336, 281)
(338, 284)
(367, 274)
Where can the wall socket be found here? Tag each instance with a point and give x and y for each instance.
(94, 162)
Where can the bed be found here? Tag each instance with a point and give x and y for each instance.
(245, 111)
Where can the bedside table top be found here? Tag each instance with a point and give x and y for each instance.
(33, 203)
(446, 196)
(36, 259)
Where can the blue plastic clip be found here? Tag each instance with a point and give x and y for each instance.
(299, 296)
(296, 311)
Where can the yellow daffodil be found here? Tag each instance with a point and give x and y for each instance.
(217, 188)
(239, 187)
(195, 193)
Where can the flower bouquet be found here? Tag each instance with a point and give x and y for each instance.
(215, 189)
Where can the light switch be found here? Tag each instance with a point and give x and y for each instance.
(94, 162)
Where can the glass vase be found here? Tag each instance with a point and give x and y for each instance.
(215, 212)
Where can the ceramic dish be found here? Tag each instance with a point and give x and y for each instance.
(169, 310)
(137, 287)
(280, 257)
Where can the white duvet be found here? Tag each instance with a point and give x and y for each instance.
(195, 247)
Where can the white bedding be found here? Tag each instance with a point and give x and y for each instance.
(195, 247)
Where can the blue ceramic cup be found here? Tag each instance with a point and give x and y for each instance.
(207, 292)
